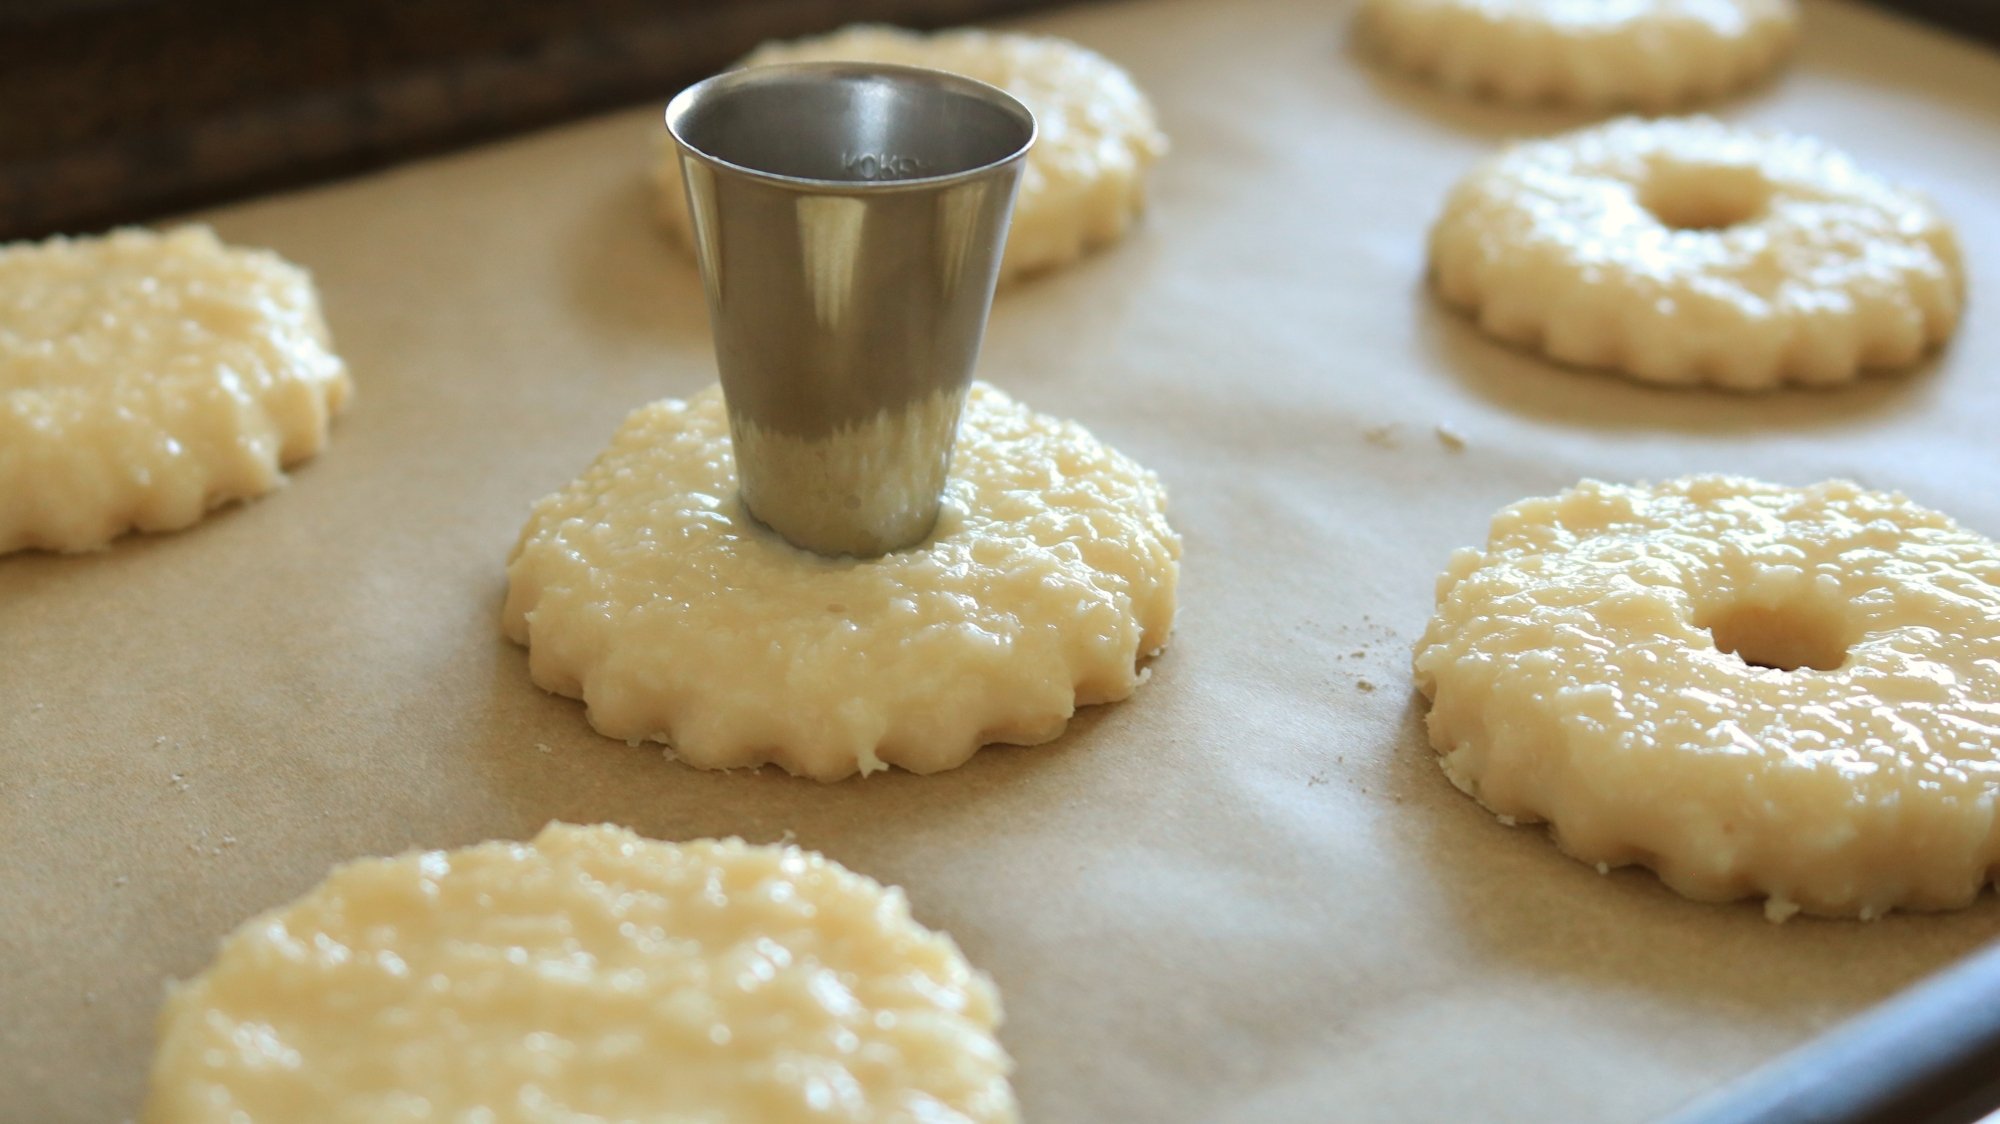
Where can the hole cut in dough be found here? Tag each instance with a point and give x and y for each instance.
(1084, 183)
(146, 378)
(589, 974)
(645, 589)
(1794, 636)
(1695, 196)
(1593, 666)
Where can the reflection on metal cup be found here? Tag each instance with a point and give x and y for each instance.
(849, 220)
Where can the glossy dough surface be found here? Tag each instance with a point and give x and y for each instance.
(588, 976)
(1085, 179)
(148, 377)
(644, 589)
(1593, 667)
(1651, 55)
(1690, 251)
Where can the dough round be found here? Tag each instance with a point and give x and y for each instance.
(1614, 663)
(590, 975)
(1691, 251)
(146, 378)
(1651, 55)
(645, 589)
(1085, 179)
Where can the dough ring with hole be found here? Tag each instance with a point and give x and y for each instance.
(1690, 251)
(587, 975)
(646, 590)
(1614, 663)
(148, 377)
(1650, 55)
(1085, 180)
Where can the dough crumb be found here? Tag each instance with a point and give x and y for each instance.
(1778, 910)
(1364, 685)
(1450, 437)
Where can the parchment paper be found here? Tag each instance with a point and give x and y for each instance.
(1246, 894)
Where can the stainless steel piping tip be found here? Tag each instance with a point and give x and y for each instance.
(849, 220)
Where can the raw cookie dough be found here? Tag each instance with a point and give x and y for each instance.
(644, 589)
(1651, 55)
(1613, 662)
(148, 377)
(590, 975)
(1691, 251)
(1085, 179)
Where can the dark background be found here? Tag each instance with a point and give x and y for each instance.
(121, 110)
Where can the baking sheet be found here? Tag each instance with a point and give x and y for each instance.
(1245, 894)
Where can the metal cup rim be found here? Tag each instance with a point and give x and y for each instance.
(683, 102)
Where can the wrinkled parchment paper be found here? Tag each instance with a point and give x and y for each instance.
(1246, 894)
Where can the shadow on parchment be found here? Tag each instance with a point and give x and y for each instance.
(627, 276)
(1533, 386)
(1558, 917)
(1051, 329)
(1901, 65)
(1491, 120)
(22, 571)
(537, 758)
